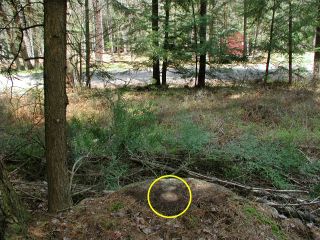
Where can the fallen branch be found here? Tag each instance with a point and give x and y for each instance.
(294, 204)
(288, 209)
(215, 179)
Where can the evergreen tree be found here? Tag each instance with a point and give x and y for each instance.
(55, 103)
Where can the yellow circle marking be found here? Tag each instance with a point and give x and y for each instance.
(169, 176)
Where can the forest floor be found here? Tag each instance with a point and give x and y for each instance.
(246, 135)
(215, 213)
(124, 71)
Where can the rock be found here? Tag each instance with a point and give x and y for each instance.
(147, 230)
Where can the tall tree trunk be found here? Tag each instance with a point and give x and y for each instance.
(55, 103)
(290, 42)
(11, 209)
(316, 66)
(255, 44)
(166, 42)
(25, 43)
(155, 30)
(80, 64)
(203, 40)
(245, 28)
(195, 36)
(10, 37)
(212, 31)
(270, 41)
(99, 49)
(34, 36)
(87, 40)
(109, 27)
(28, 34)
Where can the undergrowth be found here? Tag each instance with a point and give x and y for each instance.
(214, 133)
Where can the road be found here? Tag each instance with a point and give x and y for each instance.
(227, 73)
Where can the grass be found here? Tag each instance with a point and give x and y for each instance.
(252, 212)
(258, 136)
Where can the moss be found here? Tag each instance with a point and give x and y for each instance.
(108, 224)
(252, 212)
(117, 206)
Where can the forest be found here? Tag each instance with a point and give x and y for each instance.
(160, 119)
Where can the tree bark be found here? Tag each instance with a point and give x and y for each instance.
(166, 42)
(87, 40)
(110, 28)
(195, 36)
(255, 44)
(55, 103)
(316, 66)
(10, 37)
(99, 49)
(203, 40)
(212, 31)
(245, 28)
(25, 50)
(34, 36)
(155, 30)
(270, 41)
(290, 42)
(11, 209)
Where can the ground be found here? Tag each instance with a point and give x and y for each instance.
(257, 136)
(215, 213)
(132, 71)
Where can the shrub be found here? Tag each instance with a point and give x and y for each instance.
(272, 161)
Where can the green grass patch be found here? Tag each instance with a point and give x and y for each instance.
(252, 212)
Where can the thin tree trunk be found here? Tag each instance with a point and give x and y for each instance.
(245, 28)
(25, 44)
(10, 36)
(212, 32)
(124, 41)
(87, 40)
(36, 50)
(34, 36)
(80, 64)
(195, 31)
(255, 44)
(316, 66)
(110, 29)
(203, 40)
(155, 30)
(166, 42)
(290, 42)
(28, 34)
(55, 103)
(270, 41)
(99, 49)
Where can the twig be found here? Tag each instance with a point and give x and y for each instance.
(32, 196)
(217, 180)
(293, 204)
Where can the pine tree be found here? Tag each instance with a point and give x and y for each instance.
(155, 30)
(203, 37)
(316, 67)
(166, 41)
(55, 103)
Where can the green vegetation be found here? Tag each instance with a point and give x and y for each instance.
(262, 218)
(117, 206)
(243, 139)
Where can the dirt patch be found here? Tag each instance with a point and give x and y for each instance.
(215, 213)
